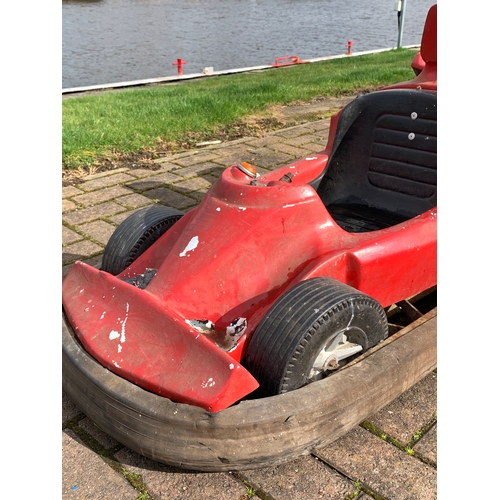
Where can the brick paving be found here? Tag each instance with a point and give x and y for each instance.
(392, 455)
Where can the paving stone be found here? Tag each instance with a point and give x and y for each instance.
(303, 479)
(198, 196)
(170, 198)
(302, 139)
(164, 482)
(194, 158)
(77, 251)
(184, 154)
(272, 159)
(195, 184)
(228, 160)
(293, 132)
(380, 466)
(69, 409)
(144, 172)
(105, 181)
(154, 181)
(217, 172)
(427, 446)
(233, 149)
(105, 440)
(119, 218)
(267, 140)
(69, 236)
(92, 213)
(410, 412)
(323, 135)
(134, 200)
(312, 148)
(106, 194)
(68, 205)
(212, 178)
(199, 169)
(165, 165)
(100, 175)
(99, 230)
(315, 126)
(69, 191)
(85, 476)
(291, 150)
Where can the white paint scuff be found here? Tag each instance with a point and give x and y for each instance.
(113, 334)
(122, 338)
(209, 383)
(193, 243)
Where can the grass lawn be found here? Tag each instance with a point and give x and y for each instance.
(111, 124)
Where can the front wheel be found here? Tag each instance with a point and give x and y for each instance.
(135, 235)
(312, 330)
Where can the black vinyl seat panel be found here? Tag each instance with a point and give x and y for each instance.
(383, 165)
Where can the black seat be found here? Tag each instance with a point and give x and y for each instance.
(383, 166)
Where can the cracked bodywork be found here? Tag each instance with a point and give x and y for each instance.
(141, 280)
(227, 339)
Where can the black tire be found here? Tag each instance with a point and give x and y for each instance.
(135, 235)
(290, 338)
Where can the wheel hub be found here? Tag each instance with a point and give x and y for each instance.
(336, 349)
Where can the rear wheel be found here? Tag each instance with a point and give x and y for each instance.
(135, 235)
(312, 330)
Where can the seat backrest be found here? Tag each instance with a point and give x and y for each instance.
(385, 153)
(425, 63)
(428, 46)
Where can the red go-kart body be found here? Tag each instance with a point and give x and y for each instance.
(179, 319)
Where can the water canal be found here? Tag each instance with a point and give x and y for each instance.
(108, 41)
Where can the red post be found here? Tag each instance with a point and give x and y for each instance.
(349, 45)
(179, 64)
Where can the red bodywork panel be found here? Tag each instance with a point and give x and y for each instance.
(230, 259)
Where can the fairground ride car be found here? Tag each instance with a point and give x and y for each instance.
(274, 281)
